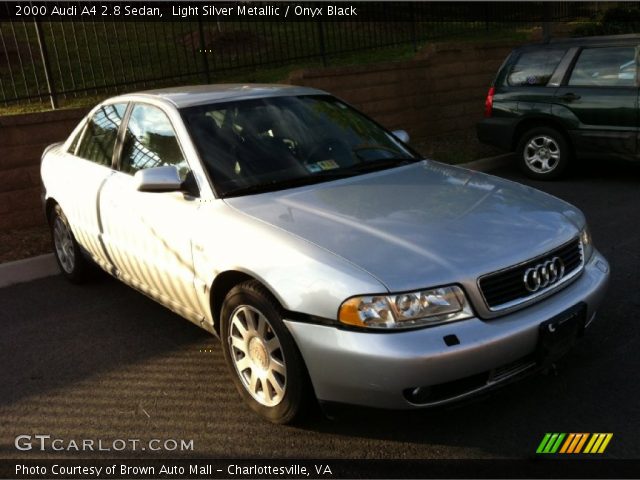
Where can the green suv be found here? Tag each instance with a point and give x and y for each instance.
(571, 98)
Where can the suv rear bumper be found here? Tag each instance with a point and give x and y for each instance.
(496, 131)
(380, 369)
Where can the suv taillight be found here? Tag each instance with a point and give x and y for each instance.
(488, 103)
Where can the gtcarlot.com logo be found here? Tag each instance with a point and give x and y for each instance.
(574, 443)
(49, 443)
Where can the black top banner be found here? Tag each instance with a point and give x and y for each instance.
(170, 11)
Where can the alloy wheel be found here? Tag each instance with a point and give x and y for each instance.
(63, 243)
(542, 154)
(257, 355)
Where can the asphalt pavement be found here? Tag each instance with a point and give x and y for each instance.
(103, 362)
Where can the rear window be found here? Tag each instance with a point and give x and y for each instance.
(534, 68)
(100, 134)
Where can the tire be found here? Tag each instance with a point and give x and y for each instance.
(262, 357)
(73, 264)
(543, 153)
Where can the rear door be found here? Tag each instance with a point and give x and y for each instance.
(599, 101)
(527, 82)
(87, 165)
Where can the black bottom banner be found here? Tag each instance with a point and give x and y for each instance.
(260, 468)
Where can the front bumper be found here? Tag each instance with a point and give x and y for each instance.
(378, 369)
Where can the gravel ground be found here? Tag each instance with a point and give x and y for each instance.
(24, 243)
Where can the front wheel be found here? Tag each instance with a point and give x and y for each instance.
(264, 362)
(543, 153)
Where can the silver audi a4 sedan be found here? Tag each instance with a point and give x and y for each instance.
(330, 258)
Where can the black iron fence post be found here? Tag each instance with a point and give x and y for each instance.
(203, 52)
(486, 17)
(414, 36)
(546, 23)
(45, 65)
(323, 50)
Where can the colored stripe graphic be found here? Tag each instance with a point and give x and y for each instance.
(607, 439)
(576, 439)
(581, 443)
(567, 443)
(550, 443)
(543, 443)
(590, 444)
(596, 443)
(555, 447)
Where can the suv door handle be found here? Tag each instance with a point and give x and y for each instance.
(569, 97)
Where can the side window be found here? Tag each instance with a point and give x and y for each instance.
(534, 68)
(151, 142)
(605, 67)
(100, 134)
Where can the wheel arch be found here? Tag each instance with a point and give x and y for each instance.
(222, 285)
(536, 122)
(49, 205)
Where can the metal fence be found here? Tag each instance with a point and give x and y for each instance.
(55, 62)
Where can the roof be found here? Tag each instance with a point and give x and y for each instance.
(201, 94)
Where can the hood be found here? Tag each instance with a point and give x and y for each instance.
(425, 224)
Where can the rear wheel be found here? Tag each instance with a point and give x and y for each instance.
(543, 153)
(262, 357)
(72, 262)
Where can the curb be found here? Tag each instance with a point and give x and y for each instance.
(42, 266)
(28, 269)
(489, 163)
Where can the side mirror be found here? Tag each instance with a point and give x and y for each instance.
(158, 179)
(401, 135)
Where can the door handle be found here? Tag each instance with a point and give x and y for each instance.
(569, 97)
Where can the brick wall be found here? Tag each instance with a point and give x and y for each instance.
(441, 91)
(22, 141)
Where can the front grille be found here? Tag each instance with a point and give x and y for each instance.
(506, 288)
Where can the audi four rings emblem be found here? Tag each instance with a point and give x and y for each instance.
(543, 274)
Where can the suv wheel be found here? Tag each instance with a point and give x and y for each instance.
(71, 260)
(543, 153)
(262, 357)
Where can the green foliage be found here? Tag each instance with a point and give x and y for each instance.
(613, 21)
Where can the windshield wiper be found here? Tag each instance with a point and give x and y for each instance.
(287, 183)
(382, 164)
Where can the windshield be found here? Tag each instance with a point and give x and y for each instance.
(267, 144)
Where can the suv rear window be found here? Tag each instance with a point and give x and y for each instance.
(534, 68)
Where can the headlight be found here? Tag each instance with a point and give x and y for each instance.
(403, 310)
(587, 244)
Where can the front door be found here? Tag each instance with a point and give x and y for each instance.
(149, 234)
